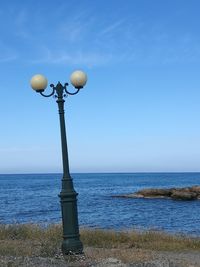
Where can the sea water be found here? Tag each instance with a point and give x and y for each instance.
(33, 198)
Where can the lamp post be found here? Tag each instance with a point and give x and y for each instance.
(68, 196)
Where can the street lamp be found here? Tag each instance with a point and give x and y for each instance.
(68, 196)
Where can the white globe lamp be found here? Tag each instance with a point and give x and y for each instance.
(78, 79)
(39, 83)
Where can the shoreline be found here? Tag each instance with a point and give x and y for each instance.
(44, 226)
(82, 228)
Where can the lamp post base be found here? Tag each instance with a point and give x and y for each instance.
(71, 238)
(72, 247)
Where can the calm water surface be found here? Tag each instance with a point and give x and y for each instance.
(34, 198)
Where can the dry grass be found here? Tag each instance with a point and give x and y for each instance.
(30, 240)
(150, 240)
(131, 246)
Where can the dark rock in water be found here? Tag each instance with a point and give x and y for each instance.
(195, 189)
(150, 192)
(181, 195)
(185, 193)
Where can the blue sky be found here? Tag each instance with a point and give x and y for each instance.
(140, 110)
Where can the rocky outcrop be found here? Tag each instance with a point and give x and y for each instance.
(185, 193)
(181, 195)
(151, 192)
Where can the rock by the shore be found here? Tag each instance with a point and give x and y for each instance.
(185, 193)
(153, 192)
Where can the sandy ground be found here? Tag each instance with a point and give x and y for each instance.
(92, 258)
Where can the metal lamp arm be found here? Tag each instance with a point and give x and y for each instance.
(69, 93)
(52, 93)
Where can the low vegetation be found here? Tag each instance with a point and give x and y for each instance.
(35, 241)
(151, 240)
(29, 238)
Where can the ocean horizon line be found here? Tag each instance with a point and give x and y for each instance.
(103, 172)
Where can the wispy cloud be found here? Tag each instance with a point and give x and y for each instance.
(21, 23)
(83, 41)
(89, 59)
(7, 53)
(76, 28)
(81, 38)
(4, 59)
(77, 39)
(112, 28)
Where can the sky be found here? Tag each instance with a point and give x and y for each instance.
(140, 109)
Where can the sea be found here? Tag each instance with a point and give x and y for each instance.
(33, 198)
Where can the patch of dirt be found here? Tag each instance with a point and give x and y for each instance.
(95, 257)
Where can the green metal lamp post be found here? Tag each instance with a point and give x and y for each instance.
(68, 197)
